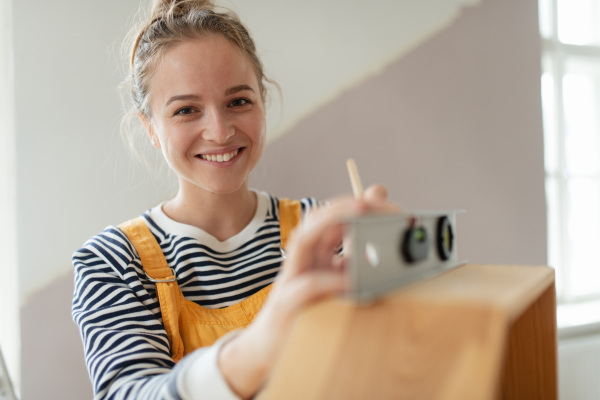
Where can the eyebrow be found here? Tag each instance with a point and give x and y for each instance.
(184, 97)
(238, 88)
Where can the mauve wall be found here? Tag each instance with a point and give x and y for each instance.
(455, 124)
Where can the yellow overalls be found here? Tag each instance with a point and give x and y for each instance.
(189, 325)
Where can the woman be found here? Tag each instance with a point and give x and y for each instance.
(167, 304)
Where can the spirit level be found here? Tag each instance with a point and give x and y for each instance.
(390, 251)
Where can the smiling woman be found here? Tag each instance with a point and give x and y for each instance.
(191, 299)
(195, 122)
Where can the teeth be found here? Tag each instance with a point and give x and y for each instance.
(220, 157)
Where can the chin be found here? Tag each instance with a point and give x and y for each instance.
(216, 185)
(221, 189)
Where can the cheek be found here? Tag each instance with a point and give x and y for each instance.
(260, 137)
(259, 125)
(175, 137)
(262, 132)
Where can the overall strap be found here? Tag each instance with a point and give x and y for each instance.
(153, 261)
(290, 212)
(157, 270)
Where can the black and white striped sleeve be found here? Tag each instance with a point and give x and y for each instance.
(125, 344)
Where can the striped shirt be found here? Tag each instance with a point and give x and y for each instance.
(117, 311)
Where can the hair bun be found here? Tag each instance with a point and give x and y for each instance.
(173, 21)
(179, 7)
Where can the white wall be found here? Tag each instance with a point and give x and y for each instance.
(316, 49)
(73, 173)
(9, 327)
(578, 366)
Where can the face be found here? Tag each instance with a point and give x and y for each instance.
(207, 115)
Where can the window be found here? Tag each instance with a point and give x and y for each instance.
(9, 320)
(571, 106)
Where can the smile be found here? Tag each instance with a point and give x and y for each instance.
(220, 157)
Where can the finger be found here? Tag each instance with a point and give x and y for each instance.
(377, 197)
(321, 234)
(314, 286)
(332, 215)
(376, 193)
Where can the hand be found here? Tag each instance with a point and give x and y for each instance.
(377, 196)
(312, 271)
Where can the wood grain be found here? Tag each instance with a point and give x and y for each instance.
(476, 332)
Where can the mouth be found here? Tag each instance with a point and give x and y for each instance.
(221, 157)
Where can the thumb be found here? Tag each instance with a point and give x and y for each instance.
(376, 193)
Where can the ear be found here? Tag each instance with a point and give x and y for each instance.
(149, 130)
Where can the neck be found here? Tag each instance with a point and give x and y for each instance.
(220, 215)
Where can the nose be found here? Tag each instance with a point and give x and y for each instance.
(218, 128)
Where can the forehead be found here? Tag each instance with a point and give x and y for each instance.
(202, 64)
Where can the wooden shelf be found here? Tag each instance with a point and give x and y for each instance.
(475, 332)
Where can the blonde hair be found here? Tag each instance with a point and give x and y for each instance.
(172, 22)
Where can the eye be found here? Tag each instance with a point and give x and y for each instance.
(240, 102)
(185, 111)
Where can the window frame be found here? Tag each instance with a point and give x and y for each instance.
(555, 56)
